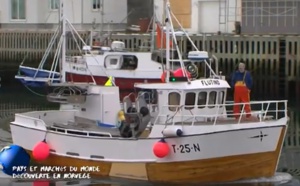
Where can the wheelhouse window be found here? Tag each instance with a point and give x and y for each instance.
(202, 96)
(221, 97)
(130, 62)
(190, 100)
(212, 99)
(18, 9)
(150, 96)
(54, 4)
(173, 101)
(96, 4)
(114, 61)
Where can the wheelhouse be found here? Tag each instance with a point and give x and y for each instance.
(120, 61)
(183, 101)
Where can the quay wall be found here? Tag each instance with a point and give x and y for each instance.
(274, 60)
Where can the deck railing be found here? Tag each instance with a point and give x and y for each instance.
(71, 59)
(261, 109)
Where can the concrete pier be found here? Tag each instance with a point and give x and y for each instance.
(274, 60)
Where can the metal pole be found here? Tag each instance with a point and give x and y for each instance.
(167, 42)
(63, 53)
(102, 17)
(153, 28)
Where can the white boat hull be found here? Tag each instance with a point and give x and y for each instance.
(205, 157)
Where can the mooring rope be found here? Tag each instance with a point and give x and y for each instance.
(32, 91)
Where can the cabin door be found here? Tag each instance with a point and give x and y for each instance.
(109, 112)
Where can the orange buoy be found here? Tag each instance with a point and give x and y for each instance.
(41, 151)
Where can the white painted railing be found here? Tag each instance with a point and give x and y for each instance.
(75, 132)
(273, 109)
(38, 120)
(71, 59)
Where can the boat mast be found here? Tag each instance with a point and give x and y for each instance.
(102, 19)
(170, 26)
(63, 30)
(167, 22)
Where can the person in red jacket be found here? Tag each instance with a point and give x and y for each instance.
(242, 83)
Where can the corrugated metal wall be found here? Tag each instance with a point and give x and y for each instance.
(271, 16)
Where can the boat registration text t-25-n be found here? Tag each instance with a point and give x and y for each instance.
(186, 148)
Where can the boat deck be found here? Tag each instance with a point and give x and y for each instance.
(86, 127)
(226, 121)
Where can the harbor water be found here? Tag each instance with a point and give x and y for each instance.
(16, 98)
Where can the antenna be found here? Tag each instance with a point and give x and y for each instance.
(167, 22)
(102, 18)
(63, 27)
(169, 25)
(193, 45)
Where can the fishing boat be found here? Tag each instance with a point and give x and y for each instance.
(96, 62)
(187, 134)
(40, 77)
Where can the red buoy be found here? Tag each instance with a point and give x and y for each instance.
(41, 183)
(161, 149)
(41, 151)
(180, 73)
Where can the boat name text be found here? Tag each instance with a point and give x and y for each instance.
(186, 148)
(210, 82)
(79, 68)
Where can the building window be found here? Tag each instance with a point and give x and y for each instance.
(212, 99)
(54, 4)
(202, 99)
(96, 4)
(174, 101)
(190, 99)
(18, 9)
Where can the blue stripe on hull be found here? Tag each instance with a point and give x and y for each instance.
(35, 83)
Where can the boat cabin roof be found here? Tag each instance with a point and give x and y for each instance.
(193, 85)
